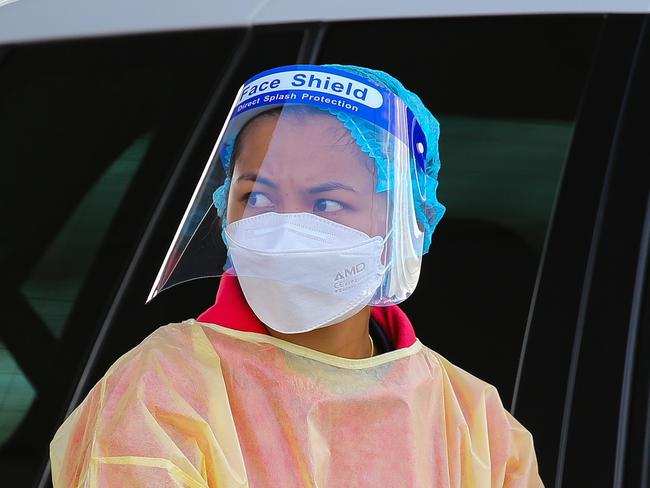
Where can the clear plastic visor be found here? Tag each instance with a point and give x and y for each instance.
(309, 196)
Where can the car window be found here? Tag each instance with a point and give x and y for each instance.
(52, 286)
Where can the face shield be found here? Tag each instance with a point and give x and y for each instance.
(313, 184)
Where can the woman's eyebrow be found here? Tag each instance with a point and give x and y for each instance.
(254, 177)
(330, 185)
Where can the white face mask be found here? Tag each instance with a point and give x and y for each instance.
(301, 272)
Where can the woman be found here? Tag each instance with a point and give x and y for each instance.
(305, 372)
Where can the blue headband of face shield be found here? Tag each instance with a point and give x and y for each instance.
(429, 210)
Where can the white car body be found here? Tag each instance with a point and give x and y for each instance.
(40, 20)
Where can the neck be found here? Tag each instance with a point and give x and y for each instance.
(347, 339)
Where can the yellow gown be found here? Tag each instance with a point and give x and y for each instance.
(199, 405)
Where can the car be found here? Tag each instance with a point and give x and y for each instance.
(537, 278)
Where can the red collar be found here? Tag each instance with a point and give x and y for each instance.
(231, 310)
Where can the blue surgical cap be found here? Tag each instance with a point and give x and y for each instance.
(428, 211)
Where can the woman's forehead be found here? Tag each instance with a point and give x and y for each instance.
(305, 144)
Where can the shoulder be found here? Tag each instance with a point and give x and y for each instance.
(174, 339)
(173, 354)
(174, 359)
(460, 382)
(467, 396)
(166, 338)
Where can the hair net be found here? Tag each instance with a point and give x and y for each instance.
(428, 212)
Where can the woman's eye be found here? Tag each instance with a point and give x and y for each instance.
(259, 200)
(324, 205)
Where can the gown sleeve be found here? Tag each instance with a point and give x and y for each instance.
(521, 465)
(495, 450)
(71, 448)
(158, 417)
